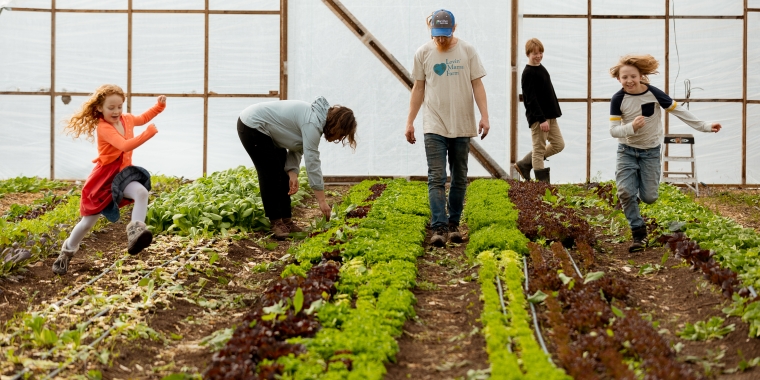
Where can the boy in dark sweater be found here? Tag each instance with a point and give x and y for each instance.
(542, 111)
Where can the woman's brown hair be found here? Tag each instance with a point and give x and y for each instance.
(341, 124)
(646, 64)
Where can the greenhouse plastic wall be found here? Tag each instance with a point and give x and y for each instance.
(325, 58)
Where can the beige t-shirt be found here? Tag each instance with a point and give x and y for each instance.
(449, 108)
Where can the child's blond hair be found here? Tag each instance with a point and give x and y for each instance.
(532, 45)
(646, 64)
(85, 121)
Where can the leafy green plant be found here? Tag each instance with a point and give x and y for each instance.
(217, 339)
(701, 330)
(29, 185)
(225, 200)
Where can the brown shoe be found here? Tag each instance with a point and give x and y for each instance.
(280, 230)
(138, 237)
(292, 226)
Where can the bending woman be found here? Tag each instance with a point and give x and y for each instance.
(276, 135)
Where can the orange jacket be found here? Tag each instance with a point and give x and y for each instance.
(111, 143)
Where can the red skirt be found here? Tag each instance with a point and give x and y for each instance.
(96, 193)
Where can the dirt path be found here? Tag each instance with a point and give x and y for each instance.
(444, 340)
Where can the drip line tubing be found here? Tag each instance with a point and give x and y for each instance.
(503, 308)
(113, 326)
(109, 308)
(535, 317)
(573, 261)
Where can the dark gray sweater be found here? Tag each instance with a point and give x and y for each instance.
(538, 95)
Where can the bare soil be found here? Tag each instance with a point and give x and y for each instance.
(444, 340)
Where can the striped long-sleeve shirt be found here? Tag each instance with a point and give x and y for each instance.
(625, 107)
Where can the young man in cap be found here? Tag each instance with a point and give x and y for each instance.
(447, 77)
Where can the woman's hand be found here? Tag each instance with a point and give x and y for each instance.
(293, 182)
(162, 99)
(323, 206)
(716, 127)
(326, 210)
(638, 123)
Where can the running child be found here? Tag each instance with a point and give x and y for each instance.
(114, 182)
(636, 121)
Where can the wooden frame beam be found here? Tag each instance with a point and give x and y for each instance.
(52, 89)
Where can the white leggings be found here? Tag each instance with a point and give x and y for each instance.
(135, 191)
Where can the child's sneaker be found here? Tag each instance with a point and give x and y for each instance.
(640, 240)
(440, 236)
(138, 237)
(454, 235)
(61, 264)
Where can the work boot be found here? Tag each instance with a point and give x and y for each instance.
(138, 237)
(640, 240)
(440, 236)
(542, 175)
(292, 226)
(524, 166)
(61, 264)
(280, 230)
(454, 235)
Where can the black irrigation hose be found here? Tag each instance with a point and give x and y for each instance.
(533, 311)
(108, 332)
(109, 308)
(503, 308)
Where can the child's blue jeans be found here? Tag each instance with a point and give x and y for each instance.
(638, 177)
(436, 149)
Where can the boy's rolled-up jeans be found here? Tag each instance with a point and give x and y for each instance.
(437, 148)
(638, 177)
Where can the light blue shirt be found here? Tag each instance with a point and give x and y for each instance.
(294, 125)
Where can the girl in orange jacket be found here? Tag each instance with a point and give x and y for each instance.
(114, 182)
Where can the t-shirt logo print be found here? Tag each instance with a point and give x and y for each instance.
(439, 68)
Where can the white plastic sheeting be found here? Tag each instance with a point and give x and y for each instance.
(326, 58)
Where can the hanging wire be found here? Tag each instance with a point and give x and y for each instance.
(687, 89)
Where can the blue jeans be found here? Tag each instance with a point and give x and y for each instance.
(638, 177)
(458, 150)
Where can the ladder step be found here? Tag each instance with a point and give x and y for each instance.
(681, 159)
(679, 180)
(683, 173)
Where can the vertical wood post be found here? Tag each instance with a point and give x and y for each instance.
(667, 73)
(514, 98)
(744, 98)
(588, 93)
(129, 56)
(205, 91)
(52, 89)
(283, 49)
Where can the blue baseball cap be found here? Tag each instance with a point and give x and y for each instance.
(442, 23)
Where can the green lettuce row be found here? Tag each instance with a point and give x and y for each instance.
(493, 228)
(485, 196)
(224, 200)
(514, 330)
(735, 247)
(378, 272)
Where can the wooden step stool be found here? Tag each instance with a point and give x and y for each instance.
(687, 178)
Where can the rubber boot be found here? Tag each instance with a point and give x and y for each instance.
(640, 240)
(542, 175)
(524, 166)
